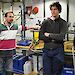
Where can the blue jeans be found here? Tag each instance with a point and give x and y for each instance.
(53, 61)
(6, 63)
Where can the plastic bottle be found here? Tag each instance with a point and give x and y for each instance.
(27, 67)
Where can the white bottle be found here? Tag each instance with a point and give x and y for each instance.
(27, 67)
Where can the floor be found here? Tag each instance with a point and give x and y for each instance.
(33, 73)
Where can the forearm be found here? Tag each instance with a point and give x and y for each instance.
(57, 36)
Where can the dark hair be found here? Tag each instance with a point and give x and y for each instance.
(57, 4)
(8, 12)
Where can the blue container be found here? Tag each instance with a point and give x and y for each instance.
(18, 63)
(21, 62)
(15, 62)
(67, 72)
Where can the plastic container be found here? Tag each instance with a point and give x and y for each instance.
(36, 35)
(27, 67)
(18, 63)
(67, 72)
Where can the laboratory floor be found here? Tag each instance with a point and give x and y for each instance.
(33, 73)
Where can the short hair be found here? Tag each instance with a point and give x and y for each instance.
(57, 4)
(8, 13)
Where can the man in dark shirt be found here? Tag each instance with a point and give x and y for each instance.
(53, 32)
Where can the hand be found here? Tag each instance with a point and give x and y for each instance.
(46, 34)
(36, 26)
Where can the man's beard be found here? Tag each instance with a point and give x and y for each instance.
(9, 22)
